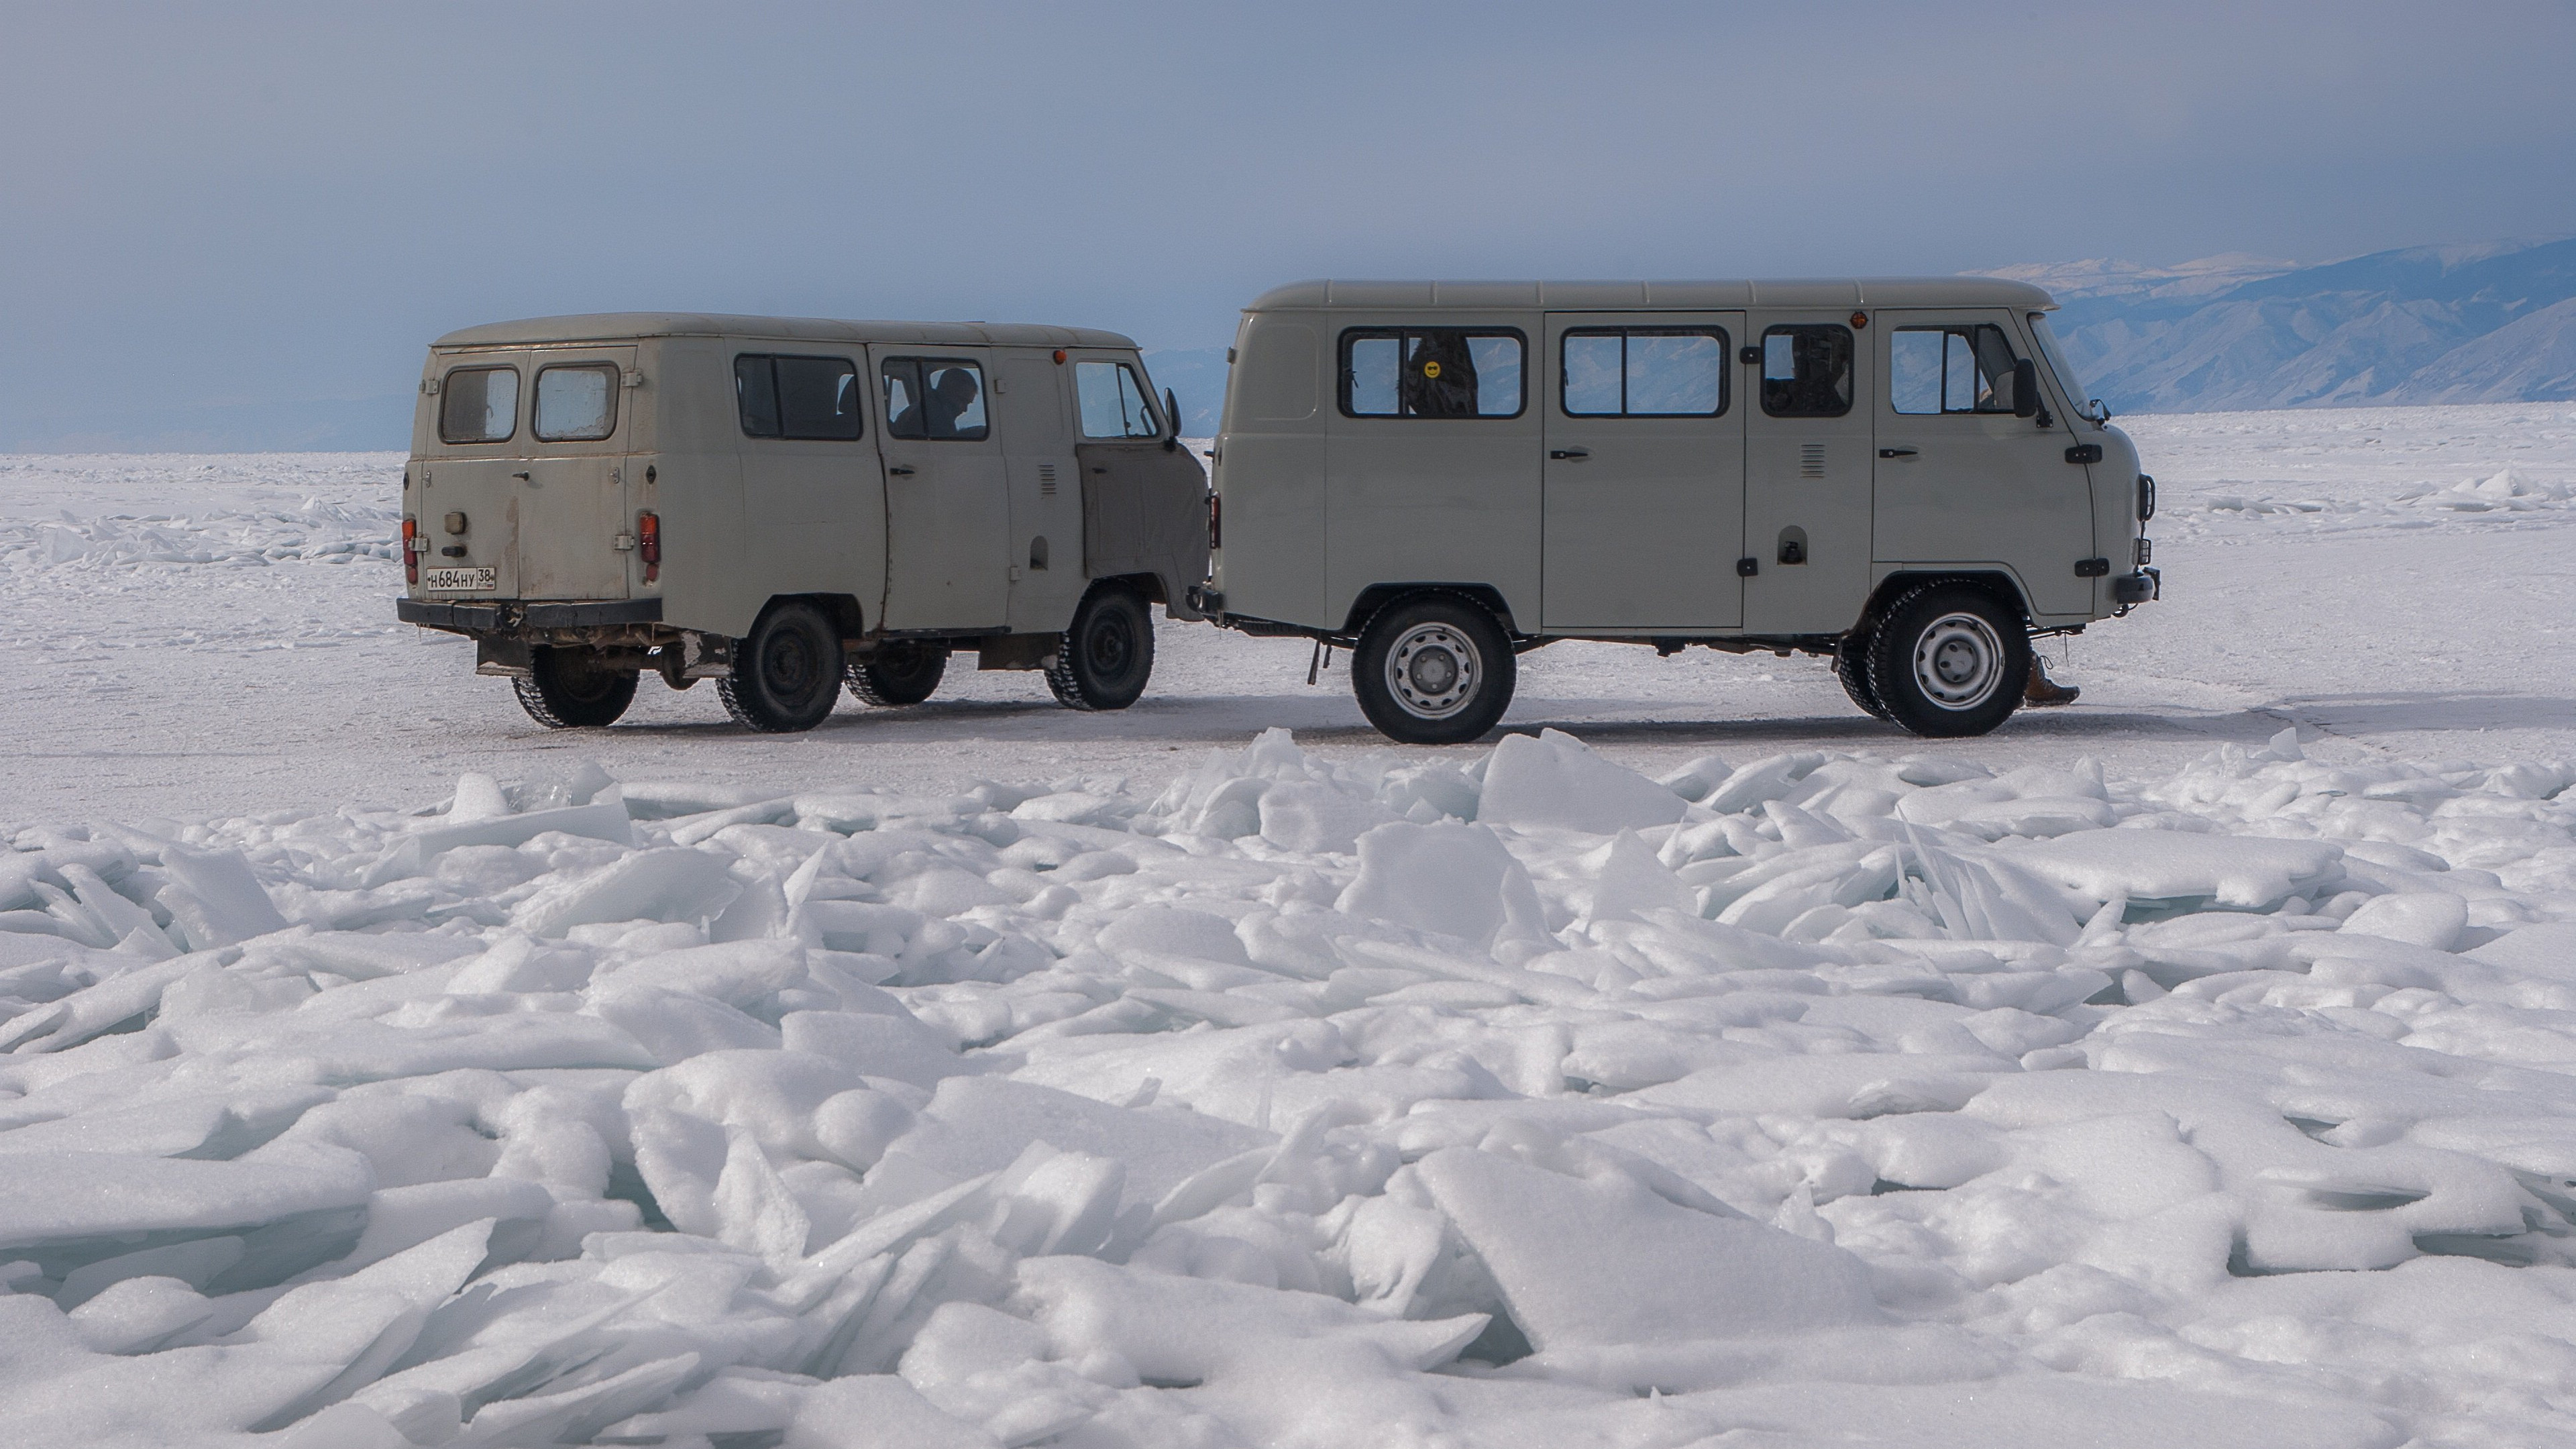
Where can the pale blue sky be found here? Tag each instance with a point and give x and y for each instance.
(248, 215)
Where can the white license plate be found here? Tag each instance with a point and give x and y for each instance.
(461, 581)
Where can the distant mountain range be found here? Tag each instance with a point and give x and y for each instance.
(2493, 322)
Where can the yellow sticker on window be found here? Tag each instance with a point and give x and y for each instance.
(1431, 369)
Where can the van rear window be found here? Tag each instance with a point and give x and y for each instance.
(1641, 372)
(786, 396)
(575, 404)
(1431, 372)
(478, 405)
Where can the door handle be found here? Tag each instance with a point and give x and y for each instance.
(1569, 452)
(1896, 452)
(522, 477)
(899, 471)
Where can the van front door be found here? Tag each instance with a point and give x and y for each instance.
(1963, 481)
(948, 507)
(1643, 489)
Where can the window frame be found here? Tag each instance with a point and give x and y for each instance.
(616, 385)
(920, 384)
(1851, 367)
(1725, 359)
(778, 403)
(1144, 394)
(446, 385)
(1399, 332)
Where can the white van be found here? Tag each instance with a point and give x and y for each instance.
(1900, 474)
(785, 505)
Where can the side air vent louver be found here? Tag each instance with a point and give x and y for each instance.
(1811, 460)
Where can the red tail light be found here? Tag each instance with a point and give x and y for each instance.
(648, 544)
(1216, 520)
(411, 551)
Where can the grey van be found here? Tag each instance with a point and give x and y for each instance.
(789, 506)
(1900, 474)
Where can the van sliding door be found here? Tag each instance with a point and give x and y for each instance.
(1644, 480)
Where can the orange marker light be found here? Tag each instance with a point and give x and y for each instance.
(648, 544)
(1860, 319)
(411, 550)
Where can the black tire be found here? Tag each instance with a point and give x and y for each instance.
(1948, 661)
(786, 673)
(1433, 669)
(1108, 654)
(902, 671)
(570, 689)
(1851, 667)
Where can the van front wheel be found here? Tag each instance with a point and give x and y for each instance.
(786, 674)
(1947, 661)
(1433, 670)
(1108, 654)
(570, 689)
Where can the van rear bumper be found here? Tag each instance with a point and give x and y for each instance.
(494, 616)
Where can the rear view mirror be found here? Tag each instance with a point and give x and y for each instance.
(1171, 421)
(2025, 389)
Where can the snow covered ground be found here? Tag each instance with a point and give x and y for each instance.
(2189, 1066)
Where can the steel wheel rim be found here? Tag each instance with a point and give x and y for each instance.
(1958, 661)
(1433, 671)
(788, 663)
(1112, 645)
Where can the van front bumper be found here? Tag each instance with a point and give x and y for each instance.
(506, 616)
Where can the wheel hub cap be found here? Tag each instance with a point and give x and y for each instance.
(1958, 661)
(1432, 671)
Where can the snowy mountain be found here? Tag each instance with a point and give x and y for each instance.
(2494, 322)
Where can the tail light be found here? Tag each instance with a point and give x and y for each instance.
(648, 544)
(1216, 521)
(411, 550)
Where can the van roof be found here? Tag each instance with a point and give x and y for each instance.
(619, 326)
(1618, 296)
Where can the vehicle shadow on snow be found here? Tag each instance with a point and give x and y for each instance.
(2402, 711)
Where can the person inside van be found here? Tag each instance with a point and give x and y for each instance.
(1440, 376)
(952, 395)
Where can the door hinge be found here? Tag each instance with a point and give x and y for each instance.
(1748, 567)
(2084, 453)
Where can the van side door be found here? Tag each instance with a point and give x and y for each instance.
(1962, 480)
(1144, 506)
(812, 520)
(1032, 409)
(1643, 487)
(1807, 462)
(947, 498)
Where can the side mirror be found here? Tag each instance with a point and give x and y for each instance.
(1171, 421)
(2025, 389)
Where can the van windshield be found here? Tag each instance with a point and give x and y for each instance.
(2067, 381)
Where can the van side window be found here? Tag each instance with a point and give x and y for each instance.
(938, 398)
(1962, 368)
(785, 396)
(478, 405)
(575, 404)
(1431, 372)
(1640, 372)
(1807, 370)
(1113, 401)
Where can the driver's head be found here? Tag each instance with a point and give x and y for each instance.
(956, 387)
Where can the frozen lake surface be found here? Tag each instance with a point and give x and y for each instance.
(1699, 1062)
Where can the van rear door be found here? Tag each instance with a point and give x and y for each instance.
(1644, 480)
(571, 505)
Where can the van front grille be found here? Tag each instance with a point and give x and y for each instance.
(1811, 460)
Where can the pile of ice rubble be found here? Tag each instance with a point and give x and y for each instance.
(1832, 1099)
(313, 531)
(2509, 496)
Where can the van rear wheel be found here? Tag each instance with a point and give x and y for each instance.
(571, 689)
(1948, 661)
(1434, 669)
(1107, 655)
(787, 673)
(903, 671)
(1851, 668)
